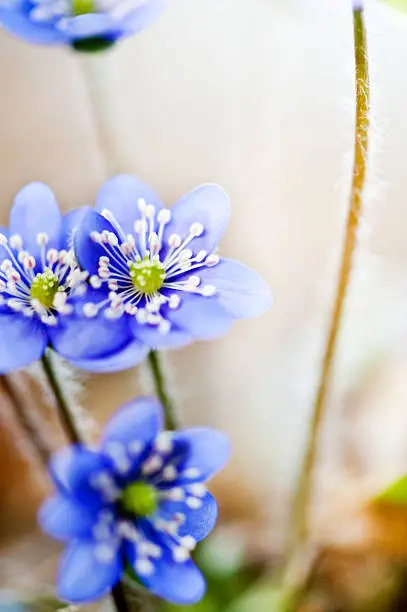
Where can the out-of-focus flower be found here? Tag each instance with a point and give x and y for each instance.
(155, 269)
(88, 25)
(138, 502)
(42, 288)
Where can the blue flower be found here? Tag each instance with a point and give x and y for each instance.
(86, 24)
(42, 290)
(156, 268)
(137, 502)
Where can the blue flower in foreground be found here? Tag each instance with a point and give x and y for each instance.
(155, 270)
(138, 502)
(42, 288)
(86, 24)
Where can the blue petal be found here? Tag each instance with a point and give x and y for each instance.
(84, 338)
(143, 15)
(63, 519)
(178, 583)
(153, 338)
(92, 25)
(132, 355)
(240, 290)
(35, 210)
(72, 470)
(82, 577)
(87, 251)
(120, 195)
(198, 523)
(18, 23)
(22, 341)
(139, 420)
(208, 450)
(207, 204)
(70, 223)
(203, 317)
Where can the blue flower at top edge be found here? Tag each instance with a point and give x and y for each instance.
(156, 270)
(88, 25)
(138, 502)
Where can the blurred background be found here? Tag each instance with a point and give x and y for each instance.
(257, 95)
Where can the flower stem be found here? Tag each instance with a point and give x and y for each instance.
(75, 437)
(305, 481)
(64, 410)
(24, 418)
(160, 388)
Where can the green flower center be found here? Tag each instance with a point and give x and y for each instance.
(44, 287)
(147, 276)
(140, 499)
(83, 7)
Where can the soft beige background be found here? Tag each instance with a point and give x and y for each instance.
(256, 95)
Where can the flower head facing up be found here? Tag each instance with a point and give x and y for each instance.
(88, 25)
(156, 268)
(138, 502)
(42, 290)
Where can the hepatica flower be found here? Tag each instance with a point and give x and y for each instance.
(86, 24)
(139, 502)
(42, 288)
(156, 269)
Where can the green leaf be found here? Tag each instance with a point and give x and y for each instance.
(396, 493)
(398, 4)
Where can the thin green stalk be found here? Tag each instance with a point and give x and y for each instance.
(300, 526)
(160, 388)
(75, 437)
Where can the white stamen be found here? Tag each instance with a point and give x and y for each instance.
(16, 242)
(105, 553)
(208, 290)
(174, 241)
(3, 240)
(163, 443)
(188, 542)
(144, 567)
(198, 489)
(95, 281)
(90, 310)
(196, 229)
(212, 260)
(180, 554)
(194, 503)
(174, 301)
(42, 239)
(164, 216)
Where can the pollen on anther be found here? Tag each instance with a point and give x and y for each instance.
(42, 239)
(196, 229)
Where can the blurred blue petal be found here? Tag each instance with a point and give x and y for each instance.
(73, 471)
(139, 420)
(208, 450)
(63, 519)
(22, 341)
(88, 571)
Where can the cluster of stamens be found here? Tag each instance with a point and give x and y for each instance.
(136, 275)
(40, 288)
(158, 482)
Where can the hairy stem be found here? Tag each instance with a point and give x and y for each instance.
(74, 435)
(25, 419)
(161, 390)
(305, 481)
